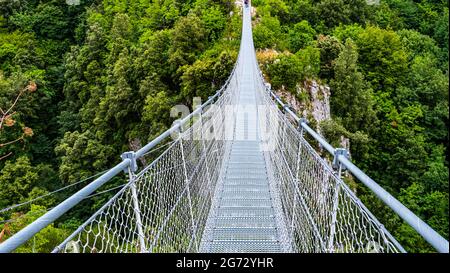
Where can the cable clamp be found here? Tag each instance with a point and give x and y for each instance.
(132, 156)
(337, 153)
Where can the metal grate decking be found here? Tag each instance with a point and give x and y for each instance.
(243, 214)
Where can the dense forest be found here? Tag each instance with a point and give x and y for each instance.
(82, 81)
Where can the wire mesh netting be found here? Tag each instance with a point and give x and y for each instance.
(321, 211)
(164, 207)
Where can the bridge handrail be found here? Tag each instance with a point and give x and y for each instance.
(428, 233)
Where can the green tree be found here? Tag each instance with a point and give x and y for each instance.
(16, 181)
(343, 32)
(441, 36)
(46, 20)
(82, 155)
(352, 99)
(188, 40)
(430, 89)
(285, 71)
(385, 17)
(302, 10)
(117, 109)
(151, 63)
(432, 207)
(21, 181)
(156, 114)
(382, 58)
(407, 11)
(418, 44)
(300, 36)
(45, 240)
(330, 47)
(309, 58)
(335, 12)
(276, 8)
(268, 33)
(214, 22)
(207, 74)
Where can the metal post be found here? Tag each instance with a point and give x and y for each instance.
(334, 216)
(300, 128)
(205, 150)
(186, 179)
(340, 167)
(336, 164)
(285, 107)
(203, 145)
(137, 212)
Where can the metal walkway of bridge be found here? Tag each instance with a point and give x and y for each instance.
(237, 176)
(243, 217)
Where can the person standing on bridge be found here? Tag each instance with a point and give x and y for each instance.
(246, 3)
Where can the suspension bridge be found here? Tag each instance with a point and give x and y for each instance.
(239, 176)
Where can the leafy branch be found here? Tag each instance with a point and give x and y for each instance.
(6, 119)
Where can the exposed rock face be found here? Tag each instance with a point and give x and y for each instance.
(320, 100)
(135, 144)
(311, 101)
(290, 99)
(373, 2)
(345, 143)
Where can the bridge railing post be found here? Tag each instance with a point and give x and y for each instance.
(297, 179)
(186, 179)
(334, 212)
(283, 138)
(300, 127)
(205, 149)
(336, 163)
(202, 141)
(335, 202)
(137, 211)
